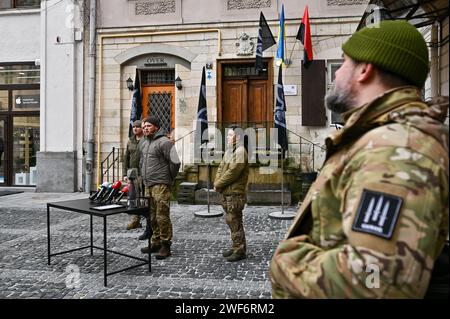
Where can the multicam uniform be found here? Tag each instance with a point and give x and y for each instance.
(378, 208)
(231, 181)
(159, 167)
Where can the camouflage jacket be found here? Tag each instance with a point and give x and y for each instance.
(376, 218)
(232, 174)
(131, 158)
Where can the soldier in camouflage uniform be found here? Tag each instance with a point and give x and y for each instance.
(376, 218)
(159, 167)
(231, 181)
(131, 160)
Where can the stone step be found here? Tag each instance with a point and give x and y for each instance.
(254, 197)
(268, 197)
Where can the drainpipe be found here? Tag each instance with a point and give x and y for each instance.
(91, 96)
(434, 67)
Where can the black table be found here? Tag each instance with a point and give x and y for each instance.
(84, 206)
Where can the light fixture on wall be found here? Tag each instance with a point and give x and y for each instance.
(130, 84)
(178, 83)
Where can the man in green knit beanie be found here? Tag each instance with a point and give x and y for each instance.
(375, 220)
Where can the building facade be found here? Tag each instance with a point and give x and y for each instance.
(20, 102)
(153, 43)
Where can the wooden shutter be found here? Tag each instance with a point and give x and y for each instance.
(313, 92)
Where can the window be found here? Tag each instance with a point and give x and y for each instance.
(335, 118)
(158, 77)
(19, 74)
(11, 4)
(26, 143)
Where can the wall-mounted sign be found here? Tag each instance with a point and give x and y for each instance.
(155, 61)
(25, 101)
(290, 89)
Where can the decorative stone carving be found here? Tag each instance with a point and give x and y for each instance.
(248, 4)
(154, 7)
(334, 3)
(245, 45)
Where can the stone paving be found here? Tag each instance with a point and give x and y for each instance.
(195, 270)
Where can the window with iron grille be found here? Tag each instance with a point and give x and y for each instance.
(159, 105)
(158, 77)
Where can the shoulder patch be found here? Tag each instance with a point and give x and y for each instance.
(377, 213)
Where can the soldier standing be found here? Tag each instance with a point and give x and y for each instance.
(159, 167)
(231, 181)
(131, 160)
(376, 218)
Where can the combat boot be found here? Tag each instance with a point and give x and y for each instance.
(164, 252)
(236, 256)
(134, 223)
(153, 249)
(227, 253)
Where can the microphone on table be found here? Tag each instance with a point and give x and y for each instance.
(115, 188)
(123, 192)
(92, 196)
(100, 192)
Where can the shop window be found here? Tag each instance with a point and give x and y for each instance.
(11, 4)
(26, 143)
(19, 74)
(3, 100)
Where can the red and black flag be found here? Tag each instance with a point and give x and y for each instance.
(304, 35)
(265, 40)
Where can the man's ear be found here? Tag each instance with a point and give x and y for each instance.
(366, 72)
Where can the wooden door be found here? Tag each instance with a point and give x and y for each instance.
(159, 101)
(235, 101)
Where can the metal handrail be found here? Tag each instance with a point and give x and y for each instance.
(250, 124)
(182, 147)
(314, 145)
(109, 164)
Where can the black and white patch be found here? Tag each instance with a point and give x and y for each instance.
(377, 213)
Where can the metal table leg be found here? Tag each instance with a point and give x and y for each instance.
(92, 240)
(48, 234)
(105, 261)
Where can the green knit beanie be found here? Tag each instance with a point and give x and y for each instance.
(394, 46)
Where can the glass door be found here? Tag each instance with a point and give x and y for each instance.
(2, 151)
(25, 146)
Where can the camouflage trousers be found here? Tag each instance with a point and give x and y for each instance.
(140, 192)
(159, 196)
(233, 206)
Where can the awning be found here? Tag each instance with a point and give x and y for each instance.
(420, 13)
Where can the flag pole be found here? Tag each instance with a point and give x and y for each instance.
(282, 182)
(283, 214)
(295, 42)
(208, 212)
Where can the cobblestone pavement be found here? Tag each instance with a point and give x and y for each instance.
(196, 268)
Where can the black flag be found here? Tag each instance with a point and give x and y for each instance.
(280, 114)
(136, 104)
(265, 40)
(202, 113)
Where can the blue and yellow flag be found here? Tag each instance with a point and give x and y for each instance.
(281, 39)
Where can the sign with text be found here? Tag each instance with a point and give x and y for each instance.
(290, 89)
(27, 101)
